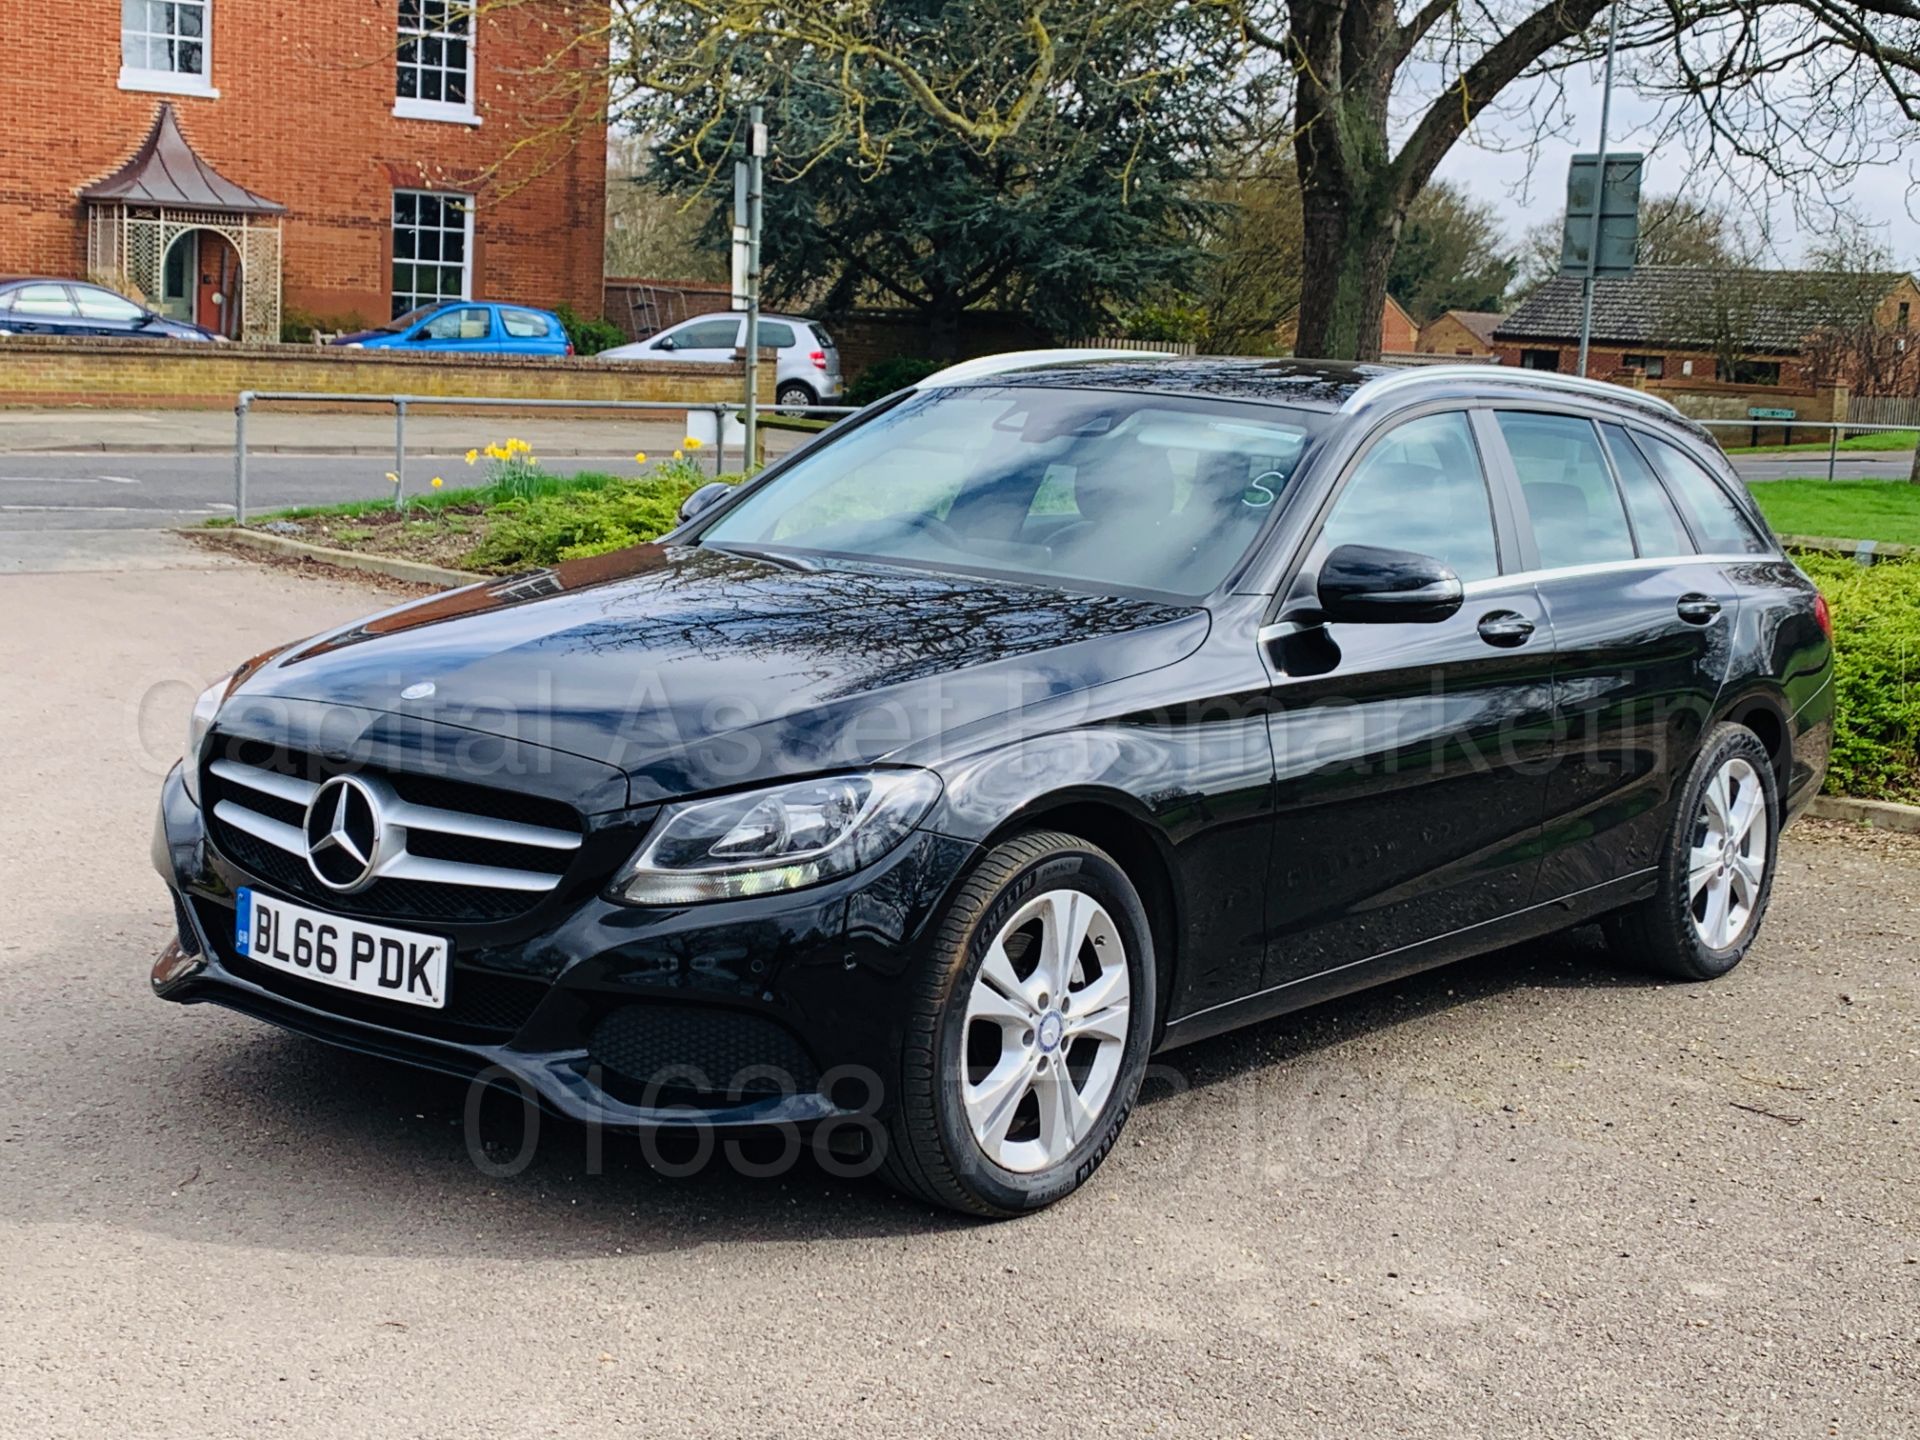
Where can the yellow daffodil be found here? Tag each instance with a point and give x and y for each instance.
(494, 452)
(639, 457)
(692, 442)
(437, 482)
(392, 479)
(679, 454)
(472, 455)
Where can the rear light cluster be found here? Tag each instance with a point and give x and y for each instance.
(819, 359)
(1822, 614)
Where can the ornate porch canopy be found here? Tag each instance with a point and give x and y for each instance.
(164, 190)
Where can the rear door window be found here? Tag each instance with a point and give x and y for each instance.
(44, 300)
(1656, 524)
(1421, 488)
(1716, 519)
(1577, 515)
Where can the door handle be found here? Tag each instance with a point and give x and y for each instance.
(1697, 609)
(1505, 628)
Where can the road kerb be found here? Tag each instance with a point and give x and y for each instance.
(1880, 814)
(392, 567)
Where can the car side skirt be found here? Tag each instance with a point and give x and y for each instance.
(1530, 923)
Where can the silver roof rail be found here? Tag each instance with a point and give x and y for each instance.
(989, 365)
(1545, 379)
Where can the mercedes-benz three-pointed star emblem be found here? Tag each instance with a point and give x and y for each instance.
(344, 828)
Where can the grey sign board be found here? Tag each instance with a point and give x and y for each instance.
(1616, 195)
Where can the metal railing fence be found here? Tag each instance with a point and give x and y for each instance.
(247, 399)
(1836, 431)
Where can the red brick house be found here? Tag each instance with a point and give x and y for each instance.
(235, 161)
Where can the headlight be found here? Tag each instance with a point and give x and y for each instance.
(198, 723)
(762, 841)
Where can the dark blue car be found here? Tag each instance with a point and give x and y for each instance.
(30, 306)
(453, 327)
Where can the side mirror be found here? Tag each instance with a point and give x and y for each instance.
(146, 318)
(419, 335)
(703, 499)
(1372, 585)
(665, 342)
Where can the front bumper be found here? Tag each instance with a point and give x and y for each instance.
(738, 1014)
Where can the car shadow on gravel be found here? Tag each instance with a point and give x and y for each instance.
(1574, 959)
(229, 1132)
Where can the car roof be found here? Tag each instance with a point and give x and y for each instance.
(1329, 385)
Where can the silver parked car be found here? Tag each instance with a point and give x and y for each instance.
(808, 371)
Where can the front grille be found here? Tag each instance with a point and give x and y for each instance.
(448, 851)
(679, 1050)
(482, 1005)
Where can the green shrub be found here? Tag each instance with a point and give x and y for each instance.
(298, 327)
(886, 376)
(589, 337)
(546, 529)
(1876, 637)
(1167, 324)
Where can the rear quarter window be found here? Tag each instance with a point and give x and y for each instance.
(525, 324)
(774, 335)
(1715, 517)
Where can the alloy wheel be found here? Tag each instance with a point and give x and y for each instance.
(1728, 859)
(1046, 1030)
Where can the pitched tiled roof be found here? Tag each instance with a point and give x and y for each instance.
(1682, 305)
(166, 171)
(1480, 323)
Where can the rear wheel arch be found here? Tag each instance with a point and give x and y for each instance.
(1766, 718)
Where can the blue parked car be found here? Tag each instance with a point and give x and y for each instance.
(478, 327)
(31, 306)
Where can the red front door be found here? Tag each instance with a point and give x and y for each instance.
(216, 303)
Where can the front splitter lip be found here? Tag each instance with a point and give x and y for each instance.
(559, 1082)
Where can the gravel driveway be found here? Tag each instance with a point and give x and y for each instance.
(1524, 1195)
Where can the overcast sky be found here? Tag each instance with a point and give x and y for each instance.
(1882, 195)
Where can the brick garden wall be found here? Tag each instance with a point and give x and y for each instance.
(136, 375)
(304, 116)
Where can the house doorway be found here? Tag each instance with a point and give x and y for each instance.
(200, 282)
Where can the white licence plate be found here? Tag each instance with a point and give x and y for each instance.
(347, 954)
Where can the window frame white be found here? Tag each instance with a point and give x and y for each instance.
(465, 201)
(172, 82)
(414, 107)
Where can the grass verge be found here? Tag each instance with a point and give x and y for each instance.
(1887, 510)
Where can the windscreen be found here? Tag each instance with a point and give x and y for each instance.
(1112, 490)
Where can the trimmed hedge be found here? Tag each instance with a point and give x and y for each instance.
(1876, 636)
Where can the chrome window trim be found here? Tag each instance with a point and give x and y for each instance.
(1605, 567)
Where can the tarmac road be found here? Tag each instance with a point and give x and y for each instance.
(148, 490)
(1528, 1195)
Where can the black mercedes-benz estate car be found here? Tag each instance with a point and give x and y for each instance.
(1043, 717)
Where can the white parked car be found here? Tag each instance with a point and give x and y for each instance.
(808, 371)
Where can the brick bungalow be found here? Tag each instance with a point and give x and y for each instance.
(1461, 332)
(1756, 328)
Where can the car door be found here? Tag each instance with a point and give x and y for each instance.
(43, 309)
(459, 329)
(713, 341)
(1409, 756)
(1642, 628)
